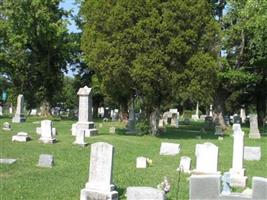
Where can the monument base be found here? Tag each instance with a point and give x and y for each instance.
(47, 140)
(80, 144)
(198, 172)
(18, 118)
(87, 194)
(237, 178)
(88, 127)
(254, 135)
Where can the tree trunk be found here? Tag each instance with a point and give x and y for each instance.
(45, 109)
(261, 100)
(154, 121)
(123, 114)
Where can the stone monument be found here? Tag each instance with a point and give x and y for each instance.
(237, 171)
(19, 116)
(85, 121)
(254, 132)
(80, 136)
(99, 185)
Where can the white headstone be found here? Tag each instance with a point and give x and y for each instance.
(254, 130)
(112, 130)
(169, 149)
(21, 137)
(141, 162)
(19, 115)
(1, 110)
(80, 136)
(161, 123)
(184, 164)
(46, 160)
(207, 158)
(144, 193)
(47, 135)
(237, 171)
(8, 161)
(6, 126)
(85, 121)
(100, 184)
(33, 112)
(243, 115)
(236, 127)
(252, 153)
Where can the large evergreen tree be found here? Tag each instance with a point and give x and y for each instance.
(156, 49)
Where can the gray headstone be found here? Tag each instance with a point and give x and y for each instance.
(252, 153)
(46, 160)
(144, 193)
(259, 188)
(254, 132)
(204, 187)
(6, 126)
(169, 149)
(226, 183)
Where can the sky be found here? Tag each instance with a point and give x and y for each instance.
(70, 5)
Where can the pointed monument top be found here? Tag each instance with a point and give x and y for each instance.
(84, 91)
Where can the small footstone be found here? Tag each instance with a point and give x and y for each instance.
(46, 160)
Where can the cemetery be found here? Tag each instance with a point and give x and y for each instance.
(133, 100)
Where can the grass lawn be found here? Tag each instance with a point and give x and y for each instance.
(24, 180)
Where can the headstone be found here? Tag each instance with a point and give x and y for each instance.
(174, 120)
(1, 110)
(236, 127)
(46, 160)
(243, 115)
(208, 187)
(161, 123)
(7, 161)
(47, 134)
(100, 125)
(6, 126)
(166, 117)
(21, 137)
(169, 149)
(99, 185)
(211, 111)
(19, 115)
(11, 109)
(144, 193)
(252, 153)
(254, 132)
(80, 136)
(112, 130)
(204, 187)
(85, 121)
(237, 171)
(207, 159)
(184, 164)
(33, 112)
(226, 183)
(202, 117)
(141, 162)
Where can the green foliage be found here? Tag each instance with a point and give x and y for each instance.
(158, 50)
(35, 47)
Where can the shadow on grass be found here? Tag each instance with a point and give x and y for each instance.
(122, 192)
(188, 133)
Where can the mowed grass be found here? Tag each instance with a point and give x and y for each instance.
(24, 180)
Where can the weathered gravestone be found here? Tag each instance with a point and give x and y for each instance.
(254, 132)
(236, 127)
(1, 110)
(80, 138)
(226, 180)
(209, 186)
(99, 185)
(237, 171)
(7, 161)
(184, 164)
(207, 159)
(169, 149)
(46, 160)
(21, 137)
(174, 120)
(144, 193)
(85, 121)
(112, 130)
(243, 115)
(19, 115)
(141, 162)
(6, 126)
(47, 133)
(252, 153)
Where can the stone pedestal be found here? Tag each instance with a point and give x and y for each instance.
(19, 116)
(99, 185)
(237, 172)
(254, 132)
(85, 122)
